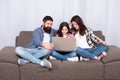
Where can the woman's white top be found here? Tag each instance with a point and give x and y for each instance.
(81, 41)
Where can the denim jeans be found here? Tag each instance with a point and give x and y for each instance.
(63, 57)
(33, 55)
(91, 52)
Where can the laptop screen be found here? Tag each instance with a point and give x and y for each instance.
(64, 44)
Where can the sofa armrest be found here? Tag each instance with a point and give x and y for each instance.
(113, 54)
(7, 54)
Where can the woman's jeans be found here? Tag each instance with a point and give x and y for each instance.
(63, 57)
(91, 52)
(34, 54)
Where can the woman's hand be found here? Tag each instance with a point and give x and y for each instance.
(104, 42)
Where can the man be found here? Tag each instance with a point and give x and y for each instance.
(40, 47)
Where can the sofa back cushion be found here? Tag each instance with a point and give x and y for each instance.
(25, 37)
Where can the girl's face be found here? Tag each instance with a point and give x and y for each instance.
(64, 30)
(75, 25)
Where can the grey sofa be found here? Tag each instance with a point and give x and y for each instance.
(106, 69)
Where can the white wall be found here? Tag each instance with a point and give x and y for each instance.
(18, 15)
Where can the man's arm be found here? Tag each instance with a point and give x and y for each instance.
(36, 37)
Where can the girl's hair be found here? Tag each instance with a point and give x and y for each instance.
(59, 32)
(79, 21)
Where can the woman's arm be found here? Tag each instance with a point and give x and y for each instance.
(103, 42)
(95, 38)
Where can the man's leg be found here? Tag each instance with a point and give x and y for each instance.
(27, 54)
(42, 53)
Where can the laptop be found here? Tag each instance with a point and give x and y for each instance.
(64, 44)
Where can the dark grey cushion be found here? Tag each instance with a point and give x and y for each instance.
(24, 38)
(7, 54)
(85, 70)
(113, 54)
(9, 71)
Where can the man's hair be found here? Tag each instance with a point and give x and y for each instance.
(47, 18)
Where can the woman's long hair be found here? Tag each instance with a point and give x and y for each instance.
(59, 32)
(79, 21)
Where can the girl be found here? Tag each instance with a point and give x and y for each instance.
(64, 31)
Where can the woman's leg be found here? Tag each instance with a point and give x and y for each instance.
(84, 53)
(99, 49)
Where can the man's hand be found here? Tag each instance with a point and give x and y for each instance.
(47, 45)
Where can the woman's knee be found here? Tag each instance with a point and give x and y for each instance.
(78, 50)
(104, 47)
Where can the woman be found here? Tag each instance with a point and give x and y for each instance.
(84, 41)
(64, 31)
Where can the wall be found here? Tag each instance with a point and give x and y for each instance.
(18, 15)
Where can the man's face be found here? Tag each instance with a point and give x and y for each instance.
(47, 26)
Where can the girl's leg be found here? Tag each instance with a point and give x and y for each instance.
(70, 54)
(58, 55)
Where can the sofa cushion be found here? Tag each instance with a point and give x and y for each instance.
(7, 54)
(82, 70)
(112, 71)
(113, 54)
(9, 71)
(24, 38)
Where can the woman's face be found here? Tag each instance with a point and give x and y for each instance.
(75, 25)
(64, 30)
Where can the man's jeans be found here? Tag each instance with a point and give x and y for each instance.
(91, 53)
(33, 55)
(63, 57)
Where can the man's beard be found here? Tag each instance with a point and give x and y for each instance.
(47, 29)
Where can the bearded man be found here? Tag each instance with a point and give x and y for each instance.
(40, 47)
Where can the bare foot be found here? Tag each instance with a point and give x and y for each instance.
(96, 58)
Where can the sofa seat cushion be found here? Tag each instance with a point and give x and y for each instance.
(112, 70)
(9, 71)
(85, 70)
(7, 54)
(113, 54)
